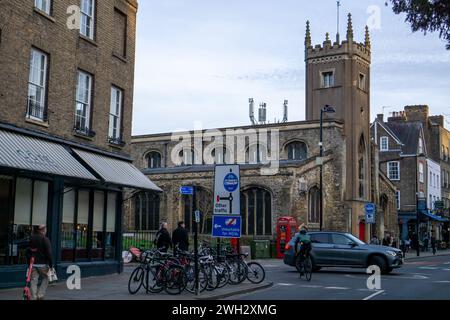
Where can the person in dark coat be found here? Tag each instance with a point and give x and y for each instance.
(41, 250)
(180, 237)
(163, 240)
(433, 244)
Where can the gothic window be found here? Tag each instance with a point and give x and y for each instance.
(361, 167)
(154, 160)
(188, 157)
(314, 205)
(256, 154)
(146, 209)
(256, 211)
(221, 155)
(297, 150)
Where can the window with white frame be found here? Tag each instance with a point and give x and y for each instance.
(87, 22)
(384, 144)
(37, 85)
(393, 170)
(83, 102)
(43, 5)
(397, 198)
(421, 172)
(327, 79)
(115, 114)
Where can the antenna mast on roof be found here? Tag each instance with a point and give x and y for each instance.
(338, 10)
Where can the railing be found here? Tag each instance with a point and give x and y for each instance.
(138, 239)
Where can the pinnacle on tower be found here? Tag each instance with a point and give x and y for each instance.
(308, 36)
(349, 27)
(327, 37)
(367, 38)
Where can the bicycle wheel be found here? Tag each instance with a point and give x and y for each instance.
(213, 277)
(256, 273)
(136, 280)
(202, 279)
(238, 272)
(175, 280)
(224, 274)
(308, 268)
(154, 281)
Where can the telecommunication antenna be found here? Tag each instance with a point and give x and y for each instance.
(252, 110)
(285, 111)
(338, 16)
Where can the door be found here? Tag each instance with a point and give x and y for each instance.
(5, 210)
(346, 252)
(321, 248)
(362, 231)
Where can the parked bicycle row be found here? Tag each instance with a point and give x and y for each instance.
(175, 272)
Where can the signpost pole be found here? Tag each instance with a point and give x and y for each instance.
(194, 208)
(417, 226)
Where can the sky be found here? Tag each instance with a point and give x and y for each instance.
(199, 61)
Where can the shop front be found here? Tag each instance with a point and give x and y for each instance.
(76, 192)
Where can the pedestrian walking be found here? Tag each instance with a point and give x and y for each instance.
(180, 237)
(41, 250)
(408, 244)
(433, 245)
(162, 240)
(375, 241)
(425, 243)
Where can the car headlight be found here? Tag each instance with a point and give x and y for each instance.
(392, 253)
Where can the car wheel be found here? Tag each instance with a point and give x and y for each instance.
(389, 270)
(380, 262)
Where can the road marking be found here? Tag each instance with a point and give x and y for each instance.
(374, 295)
(446, 262)
(428, 268)
(311, 286)
(446, 269)
(337, 288)
(443, 281)
(285, 284)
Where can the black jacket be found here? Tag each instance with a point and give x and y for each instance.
(163, 239)
(41, 250)
(180, 237)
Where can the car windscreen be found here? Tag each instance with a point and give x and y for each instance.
(355, 239)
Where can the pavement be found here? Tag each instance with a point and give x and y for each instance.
(425, 277)
(115, 287)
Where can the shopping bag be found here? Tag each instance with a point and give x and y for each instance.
(52, 277)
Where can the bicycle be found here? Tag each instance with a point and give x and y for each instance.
(304, 263)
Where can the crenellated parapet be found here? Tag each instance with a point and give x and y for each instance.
(347, 47)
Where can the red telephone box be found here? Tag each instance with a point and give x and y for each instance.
(286, 229)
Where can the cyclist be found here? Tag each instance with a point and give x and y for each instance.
(305, 242)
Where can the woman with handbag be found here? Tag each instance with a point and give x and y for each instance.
(43, 266)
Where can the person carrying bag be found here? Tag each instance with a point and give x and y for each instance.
(43, 264)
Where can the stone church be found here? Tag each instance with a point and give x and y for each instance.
(337, 75)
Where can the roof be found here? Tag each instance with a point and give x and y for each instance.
(408, 133)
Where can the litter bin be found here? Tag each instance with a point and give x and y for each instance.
(260, 249)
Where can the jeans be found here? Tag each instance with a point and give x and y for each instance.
(39, 272)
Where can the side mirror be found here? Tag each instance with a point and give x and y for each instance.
(352, 244)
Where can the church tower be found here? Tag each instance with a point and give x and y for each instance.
(338, 75)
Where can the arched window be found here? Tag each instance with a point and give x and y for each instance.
(297, 150)
(221, 155)
(256, 154)
(256, 211)
(314, 205)
(362, 167)
(204, 204)
(146, 211)
(154, 160)
(187, 156)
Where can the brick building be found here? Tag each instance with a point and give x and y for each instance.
(412, 155)
(66, 99)
(338, 75)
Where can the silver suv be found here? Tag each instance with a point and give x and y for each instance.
(337, 249)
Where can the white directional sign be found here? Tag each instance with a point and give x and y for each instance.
(227, 184)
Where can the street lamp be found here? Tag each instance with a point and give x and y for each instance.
(326, 109)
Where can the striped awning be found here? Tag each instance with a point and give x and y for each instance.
(23, 152)
(116, 171)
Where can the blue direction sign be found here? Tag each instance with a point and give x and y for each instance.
(187, 190)
(370, 212)
(226, 226)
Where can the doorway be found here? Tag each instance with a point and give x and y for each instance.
(5, 211)
(362, 231)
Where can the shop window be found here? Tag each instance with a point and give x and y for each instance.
(82, 225)
(98, 235)
(68, 225)
(111, 237)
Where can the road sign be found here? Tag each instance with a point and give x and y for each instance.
(187, 190)
(370, 212)
(197, 216)
(439, 204)
(227, 198)
(226, 226)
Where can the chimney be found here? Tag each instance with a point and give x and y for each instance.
(380, 117)
(439, 120)
(417, 113)
(397, 116)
